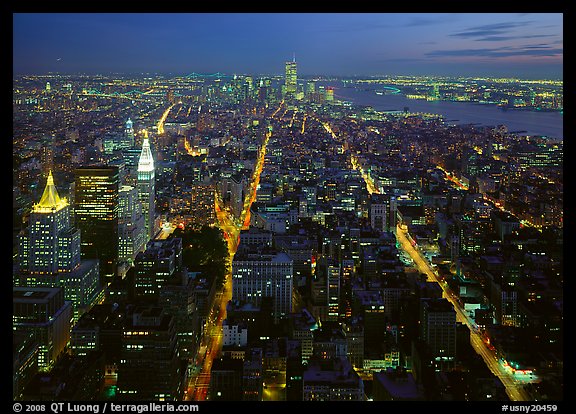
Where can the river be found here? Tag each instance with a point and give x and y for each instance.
(525, 122)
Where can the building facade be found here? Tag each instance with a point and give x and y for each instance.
(267, 275)
(96, 215)
(147, 187)
(49, 253)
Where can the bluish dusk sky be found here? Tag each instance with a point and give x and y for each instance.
(524, 45)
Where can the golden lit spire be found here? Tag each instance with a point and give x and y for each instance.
(50, 198)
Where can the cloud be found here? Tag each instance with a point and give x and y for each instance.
(502, 52)
(351, 27)
(401, 60)
(504, 38)
(489, 29)
(385, 22)
(423, 21)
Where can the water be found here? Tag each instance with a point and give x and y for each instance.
(549, 124)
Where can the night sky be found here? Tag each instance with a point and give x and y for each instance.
(524, 45)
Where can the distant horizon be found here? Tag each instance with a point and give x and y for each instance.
(513, 45)
(300, 76)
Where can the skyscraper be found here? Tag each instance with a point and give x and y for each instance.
(39, 249)
(146, 186)
(131, 222)
(49, 252)
(129, 133)
(329, 94)
(328, 287)
(310, 89)
(43, 311)
(291, 78)
(96, 215)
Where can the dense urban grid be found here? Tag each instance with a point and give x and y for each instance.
(255, 238)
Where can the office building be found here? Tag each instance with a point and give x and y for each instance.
(438, 330)
(369, 305)
(155, 266)
(396, 385)
(131, 225)
(383, 212)
(129, 133)
(255, 276)
(332, 380)
(49, 253)
(96, 215)
(147, 187)
(329, 91)
(226, 380)
(150, 369)
(49, 244)
(291, 79)
(24, 361)
(44, 312)
(252, 376)
(177, 297)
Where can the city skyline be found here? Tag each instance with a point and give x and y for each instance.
(248, 229)
(523, 45)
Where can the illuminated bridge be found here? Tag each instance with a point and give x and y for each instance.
(216, 75)
(135, 94)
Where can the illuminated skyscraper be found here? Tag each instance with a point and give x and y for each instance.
(96, 213)
(146, 186)
(328, 271)
(329, 94)
(291, 78)
(129, 132)
(131, 222)
(40, 251)
(435, 92)
(310, 89)
(49, 253)
(44, 312)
